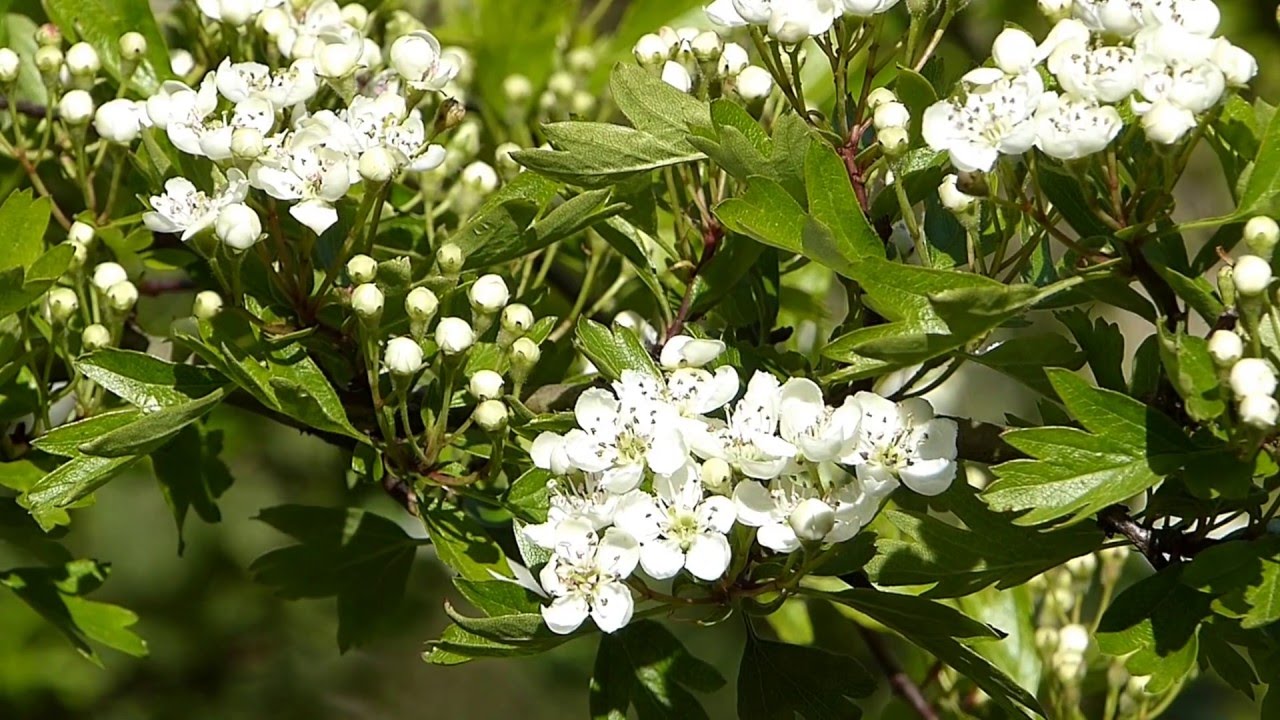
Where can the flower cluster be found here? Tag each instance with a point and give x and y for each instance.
(259, 125)
(688, 59)
(661, 469)
(1246, 370)
(792, 21)
(1160, 56)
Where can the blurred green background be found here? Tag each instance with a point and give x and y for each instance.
(224, 647)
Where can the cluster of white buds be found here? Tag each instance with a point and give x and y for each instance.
(688, 59)
(794, 21)
(1247, 284)
(892, 121)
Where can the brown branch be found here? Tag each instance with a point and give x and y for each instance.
(25, 107)
(901, 683)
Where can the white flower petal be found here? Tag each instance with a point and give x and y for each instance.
(709, 556)
(612, 606)
(753, 503)
(778, 537)
(662, 559)
(566, 614)
(929, 477)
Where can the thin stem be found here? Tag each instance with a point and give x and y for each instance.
(566, 326)
(901, 683)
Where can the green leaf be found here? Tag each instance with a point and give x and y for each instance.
(463, 545)
(19, 289)
(497, 597)
(832, 202)
(102, 24)
(1103, 346)
(766, 213)
(1125, 448)
(20, 36)
(645, 666)
(529, 494)
(592, 154)
(777, 681)
(1155, 622)
(362, 558)
(65, 440)
(23, 220)
(147, 381)
(935, 628)
(564, 221)
(1025, 358)
(1193, 373)
(988, 549)
(192, 476)
(152, 430)
(1068, 197)
(71, 482)
(613, 352)
(1227, 662)
(56, 593)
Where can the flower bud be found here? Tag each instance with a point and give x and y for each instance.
(49, 60)
(715, 475)
(181, 62)
(48, 35)
(895, 141)
(133, 45)
(107, 274)
(82, 60)
(403, 356)
(1259, 411)
(122, 296)
(273, 22)
(1014, 51)
(582, 60)
(82, 233)
(524, 356)
(1082, 567)
(421, 305)
(1073, 639)
(480, 178)
(754, 84)
(1227, 285)
(1252, 376)
(95, 337)
(1252, 275)
(454, 335)
(450, 259)
(733, 60)
(582, 103)
(707, 47)
(488, 294)
(486, 385)
(953, 198)
(562, 84)
(247, 143)
(675, 75)
(651, 49)
(61, 303)
(505, 161)
(238, 226)
(1226, 348)
(10, 65)
(812, 519)
(119, 121)
(517, 318)
(891, 115)
(377, 165)
(79, 256)
(1236, 64)
(207, 305)
(491, 416)
(1055, 10)
(517, 89)
(76, 108)
(366, 301)
(1166, 123)
(362, 269)
(880, 96)
(1261, 235)
(355, 15)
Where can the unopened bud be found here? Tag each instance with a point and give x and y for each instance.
(122, 296)
(62, 303)
(48, 35)
(754, 84)
(108, 274)
(675, 75)
(1259, 411)
(449, 116)
(79, 256)
(517, 89)
(95, 337)
(355, 15)
(247, 143)
(133, 45)
(207, 305)
(812, 520)
(1261, 235)
(517, 318)
(651, 50)
(895, 141)
(82, 60)
(82, 233)
(486, 385)
(524, 356)
(454, 335)
(491, 416)
(715, 475)
(880, 96)
(76, 108)
(505, 162)
(488, 294)
(891, 115)
(10, 65)
(49, 60)
(403, 356)
(377, 165)
(707, 47)
(1252, 376)
(582, 60)
(367, 301)
(1252, 276)
(952, 198)
(362, 269)
(1226, 348)
(450, 259)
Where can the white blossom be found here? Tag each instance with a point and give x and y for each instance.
(585, 578)
(308, 171)
(903, 442)
(1069, 128)
(121, 121)
(418, 59)
(771, 508)
(749, 441)
(1107, 74)
(819, 433)
(186, 210)
(678, 526)
(996, 117)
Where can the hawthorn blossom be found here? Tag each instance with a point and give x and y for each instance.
(180, 111)
(186, 210)
(307, 171)
(418, 59)
(583, 500)
(620, 433)
(996, 117)
(792, 510)
(903, 442)
(678, 526)
(1107, 74)
(1069, 128)
(283, 88)
(749, 441)
(820, 433)
(586, 578)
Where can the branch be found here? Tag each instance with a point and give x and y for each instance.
(25, 107)
(902, 684)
